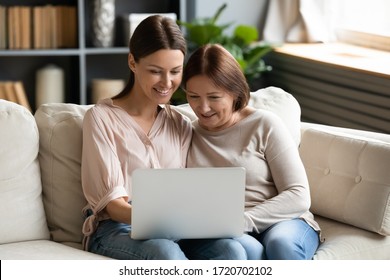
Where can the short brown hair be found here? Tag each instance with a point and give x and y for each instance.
(215, 62)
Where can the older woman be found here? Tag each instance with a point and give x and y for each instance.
(230, 133)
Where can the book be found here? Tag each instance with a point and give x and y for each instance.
(37, 31)
(20, 95)
(17, 26)
(3, 27)
(60, 26)
(25, 27)
(11, 28)
(2, 91)
(9, 91)
(14, 92)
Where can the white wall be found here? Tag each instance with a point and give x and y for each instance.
(250, 12)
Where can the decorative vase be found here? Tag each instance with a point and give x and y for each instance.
(103, 23)
(50, 85)
(106, 88)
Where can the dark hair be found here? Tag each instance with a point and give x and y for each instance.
(215, 62)
(152, 34)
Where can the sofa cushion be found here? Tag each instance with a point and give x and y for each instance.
(22, 215)
(273, 99)
(349, 178)
(281, 103)
(60, 130)
(44, 250)
(345, 242)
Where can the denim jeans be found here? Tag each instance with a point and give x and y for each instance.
(112, 239)
(289, 240)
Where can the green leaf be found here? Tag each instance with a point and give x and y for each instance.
(247, 34)
(256, 53)
(242, 44)
(218, 13)
(203, 34)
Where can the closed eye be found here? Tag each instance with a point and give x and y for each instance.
(176, 72)
(155, 71)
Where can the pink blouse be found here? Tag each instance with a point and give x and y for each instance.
(114, 145)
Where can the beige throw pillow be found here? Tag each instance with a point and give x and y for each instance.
(60, 131)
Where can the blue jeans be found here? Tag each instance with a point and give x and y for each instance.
(289, 240)
(112, 239)
(245, 247)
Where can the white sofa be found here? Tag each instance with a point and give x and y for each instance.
(41, 196)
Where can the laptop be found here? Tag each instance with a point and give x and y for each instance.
(188, 203)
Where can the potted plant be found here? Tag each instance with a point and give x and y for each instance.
(243, 44)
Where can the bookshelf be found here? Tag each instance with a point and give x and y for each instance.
(83, 62)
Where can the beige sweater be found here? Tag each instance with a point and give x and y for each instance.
(276, 183)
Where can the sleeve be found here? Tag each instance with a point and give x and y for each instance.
(101, 173)
(184, 128)
(289, 177)
(186, 138)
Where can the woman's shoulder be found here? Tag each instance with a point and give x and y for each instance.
(263, 115)
(178, 116)
(100, 112)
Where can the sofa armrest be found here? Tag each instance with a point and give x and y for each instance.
(349, 178)
(22, 215)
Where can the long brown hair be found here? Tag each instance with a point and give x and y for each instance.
(215, 62)
(152, 34)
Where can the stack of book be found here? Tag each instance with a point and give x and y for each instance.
(38, 27)
(14, 92)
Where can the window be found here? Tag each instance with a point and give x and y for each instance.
(360, 22)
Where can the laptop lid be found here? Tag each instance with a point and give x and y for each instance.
(188, 203)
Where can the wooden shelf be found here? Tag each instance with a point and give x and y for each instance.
(85, 62)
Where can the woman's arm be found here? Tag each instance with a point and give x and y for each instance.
(102, 177)
(289, 197)
(119, 210)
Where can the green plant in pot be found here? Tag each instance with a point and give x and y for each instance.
(243, 44)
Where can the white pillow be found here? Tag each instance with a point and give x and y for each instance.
(281, 103)
(60, 130)
(22, 215)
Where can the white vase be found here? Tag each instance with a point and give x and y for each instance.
(106, 88)
(49, 85)
(103, 23)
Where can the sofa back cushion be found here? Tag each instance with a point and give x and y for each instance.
(349, 178)
(22, 215)
(60, 130)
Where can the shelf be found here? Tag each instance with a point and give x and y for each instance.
(118, 50)
(64, 52)
(85, 62)
(43, 52)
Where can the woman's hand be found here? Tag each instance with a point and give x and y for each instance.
(119, 210)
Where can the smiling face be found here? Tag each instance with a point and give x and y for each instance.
(158, 75)
(212, 105)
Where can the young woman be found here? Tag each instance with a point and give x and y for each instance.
(132, 130)
(230, 133)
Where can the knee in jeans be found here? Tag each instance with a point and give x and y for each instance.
(233, 249)
(165, 249)
(283, 248)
